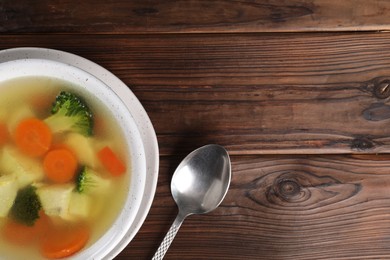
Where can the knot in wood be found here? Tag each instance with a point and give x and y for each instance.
(382, 89)
(289, 190)
(362, 143)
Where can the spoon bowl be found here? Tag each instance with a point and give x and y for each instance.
(198, 186)
(201, 180)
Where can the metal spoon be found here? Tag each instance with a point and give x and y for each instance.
(198, 186)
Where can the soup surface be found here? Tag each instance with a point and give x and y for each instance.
(64, 169)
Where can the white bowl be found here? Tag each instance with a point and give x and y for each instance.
(132, 118)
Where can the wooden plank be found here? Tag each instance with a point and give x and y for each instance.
(281, 207)
(254, 94)
(193, 16)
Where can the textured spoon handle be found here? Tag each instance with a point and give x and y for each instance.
(163, 248)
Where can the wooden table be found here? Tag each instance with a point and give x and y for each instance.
(297, 91)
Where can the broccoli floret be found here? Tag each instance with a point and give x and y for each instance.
(26, 206)
(70, 113)
(88, 180)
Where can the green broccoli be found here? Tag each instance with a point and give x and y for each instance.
(26, 206)
(70, 113)
(88, 181)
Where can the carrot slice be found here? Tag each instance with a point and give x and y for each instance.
(21, 234)
(62, 241)
(33, 137)
(18, 233)
(3, 134)
(111, 161)
(60, 165)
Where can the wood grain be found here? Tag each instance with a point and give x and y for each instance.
(254, 94)
(282, 207)
(284, 85)
(195, 16)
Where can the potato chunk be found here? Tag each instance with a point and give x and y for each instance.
(18, 115)
(61, 200)
(55, 199)
(8, 191)
(82, 146)
(24, 169)
(80, 205)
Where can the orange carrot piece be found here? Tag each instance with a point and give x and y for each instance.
(111, 161)
(60, 165)
(33, 137)
(63, 241)
(18, 233)
(3, 133)
(21, 234)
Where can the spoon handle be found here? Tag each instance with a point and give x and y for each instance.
(163, 248)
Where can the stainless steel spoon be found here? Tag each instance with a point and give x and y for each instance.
(198, 186)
